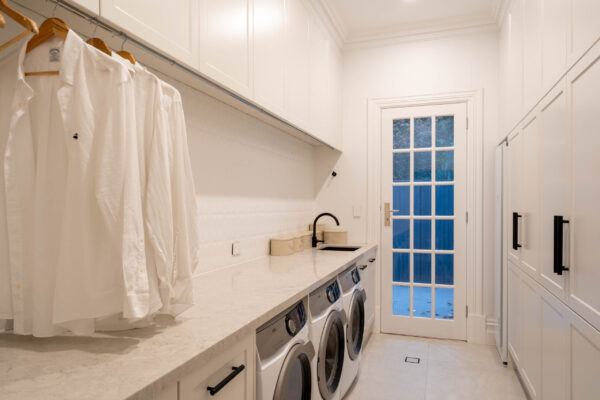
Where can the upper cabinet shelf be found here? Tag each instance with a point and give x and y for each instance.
(273, 54)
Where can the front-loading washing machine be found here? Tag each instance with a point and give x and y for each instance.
(284, 356)
(353, 299)
(327, 323)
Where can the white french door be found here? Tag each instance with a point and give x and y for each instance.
(423, 188)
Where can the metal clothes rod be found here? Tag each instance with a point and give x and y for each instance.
(173, 62)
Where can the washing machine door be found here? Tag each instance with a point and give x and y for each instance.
(331, 355)
(294, 382)
(356, 324)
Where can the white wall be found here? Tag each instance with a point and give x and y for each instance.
(449, 64)
(252, 181)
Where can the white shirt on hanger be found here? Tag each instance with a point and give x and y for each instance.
(71, 183)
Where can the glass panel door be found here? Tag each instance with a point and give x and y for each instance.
(424, 240)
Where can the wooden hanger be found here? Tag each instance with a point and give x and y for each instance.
(127, 55)
(29, 25)
(99, 44)
(51, 27)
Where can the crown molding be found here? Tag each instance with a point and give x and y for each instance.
(499, 11)
(334, 20)
(434, 29)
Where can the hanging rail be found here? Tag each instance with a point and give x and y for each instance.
(173, 62)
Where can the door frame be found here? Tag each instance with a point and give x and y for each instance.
(476, 320)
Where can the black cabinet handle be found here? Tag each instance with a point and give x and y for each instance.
(559, 222)
(372, 259)
(236, 370)
(363, 267)
(515, 229)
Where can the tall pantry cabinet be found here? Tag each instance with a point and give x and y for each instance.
(554, 238)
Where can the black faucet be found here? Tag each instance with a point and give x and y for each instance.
(314, 235)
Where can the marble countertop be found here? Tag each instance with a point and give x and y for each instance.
(230, 304)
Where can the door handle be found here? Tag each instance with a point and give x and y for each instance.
(235, 372)
(559, 223)
(515, 231)
(388, 214)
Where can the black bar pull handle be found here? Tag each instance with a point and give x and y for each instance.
(363, 267)
(372, 259)
(515, 230)
(559, 222)
(215, 389)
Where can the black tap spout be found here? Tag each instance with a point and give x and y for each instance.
(314, 235)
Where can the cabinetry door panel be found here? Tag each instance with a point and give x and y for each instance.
(555, 346)
(585, 360)
(298, 62)
(555, 167)
(532, 52)
(320, 82)
(514, 312)
(514, 196)
(225, 42)
(584, 274)
(554, 38)
(531, 331)
(530, 198)
(269, 54)
(515, 62)
(170, 26)
(585, 28)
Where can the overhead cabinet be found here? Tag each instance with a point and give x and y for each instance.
(273, 53)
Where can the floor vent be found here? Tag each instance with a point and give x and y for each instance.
(412, 360)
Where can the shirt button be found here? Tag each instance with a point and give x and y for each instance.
(18, 286)
(17, 295)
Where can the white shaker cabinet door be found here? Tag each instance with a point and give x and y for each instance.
(297, 80)
(585, 360)
(169, 26)
(531, 354)
(584, 26)
(320, 83)
(515, 211)
(555, 187)
(554, 340)
(270, 54)
(554, 40)
(225, 48)
(584, 274)
(514, 312)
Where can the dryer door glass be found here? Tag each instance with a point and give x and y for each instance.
(331, 355)
(294, 381)
(356, 325)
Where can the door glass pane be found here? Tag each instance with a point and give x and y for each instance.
(444, 165)
(294, 388)
(444, 269)
(422, 268)
(401, 133)
(423, 132)
(422, 166)
(444, 303)
(401, 267)
(444, 200)
(422, 202)
(422, 302)
(422, 232)
(401, 231)
(401, 167)
(444, 131)
(401, 300)
(444, 234)
(401, 201)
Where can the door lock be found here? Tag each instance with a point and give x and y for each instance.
(388, 214)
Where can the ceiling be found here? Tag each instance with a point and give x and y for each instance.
(362, 20)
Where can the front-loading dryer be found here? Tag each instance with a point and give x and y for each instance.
(327, 323)
(284, 356)
(353, 299)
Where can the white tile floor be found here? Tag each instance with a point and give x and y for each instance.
(447, 370)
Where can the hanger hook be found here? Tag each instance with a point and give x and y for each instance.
(124, 41)
(55, 7)
(95, 27)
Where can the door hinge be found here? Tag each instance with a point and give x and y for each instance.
(467, 311)
(467, 217)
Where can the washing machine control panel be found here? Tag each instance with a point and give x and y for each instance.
(275, 334)
(333, 292)
(349, 278)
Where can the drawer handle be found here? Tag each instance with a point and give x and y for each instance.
(515, 231)
(236, 370)
(559, 222)
(363, 267)
(372, 259)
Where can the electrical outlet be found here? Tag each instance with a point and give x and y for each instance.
(356, 211)
(235, 249)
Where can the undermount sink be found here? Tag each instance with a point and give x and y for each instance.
(340, 248)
